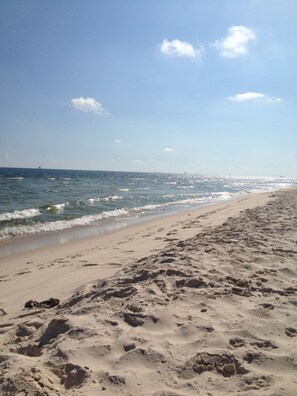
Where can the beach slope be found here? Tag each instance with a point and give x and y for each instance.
(196, 303)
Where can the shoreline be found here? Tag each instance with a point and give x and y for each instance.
(27, 243)
(201, 300)
(151, 236)
(30, 242)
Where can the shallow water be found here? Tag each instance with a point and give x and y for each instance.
(50, 203)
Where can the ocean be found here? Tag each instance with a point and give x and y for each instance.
(55, 206)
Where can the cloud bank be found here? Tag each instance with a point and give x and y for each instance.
(88, 105)
(177, 48)
(236, 42)
(253, 96)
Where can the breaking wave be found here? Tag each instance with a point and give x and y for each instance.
(19, 214)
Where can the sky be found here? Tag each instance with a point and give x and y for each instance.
(196, 86)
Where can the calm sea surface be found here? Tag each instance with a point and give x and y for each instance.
(45, 202)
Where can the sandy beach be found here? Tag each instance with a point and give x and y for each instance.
(197, 303)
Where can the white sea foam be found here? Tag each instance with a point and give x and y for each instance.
(182, 195)
(57, 208)
(108, 215)
(59, 225)
(123, 189)
(85, 220)
(19, 214)
(222, 195)
(108, 198)
(183, 202)
(112, 198)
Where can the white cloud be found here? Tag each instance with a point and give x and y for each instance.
(236, 42)
(88, 105)
(168, 149)
(180, 49)
(246, 96)
(117, 141)
(254, 96)
(136, 161)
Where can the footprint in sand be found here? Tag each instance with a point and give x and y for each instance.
(250, 357)
(89, 265)
(23, 272)
(264, 344)
(291, 332)
(75, 256)
(268, 306)
(257, 382)
(224, 364)
(71, 375)
(237, 342)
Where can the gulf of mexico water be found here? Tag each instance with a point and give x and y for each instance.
(55, 206)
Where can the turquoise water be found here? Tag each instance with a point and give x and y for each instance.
(45, 201)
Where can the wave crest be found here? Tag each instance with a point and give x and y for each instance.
(19, 214)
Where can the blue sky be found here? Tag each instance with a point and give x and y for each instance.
(164, 85)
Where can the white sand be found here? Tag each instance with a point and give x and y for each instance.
(196, 303)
